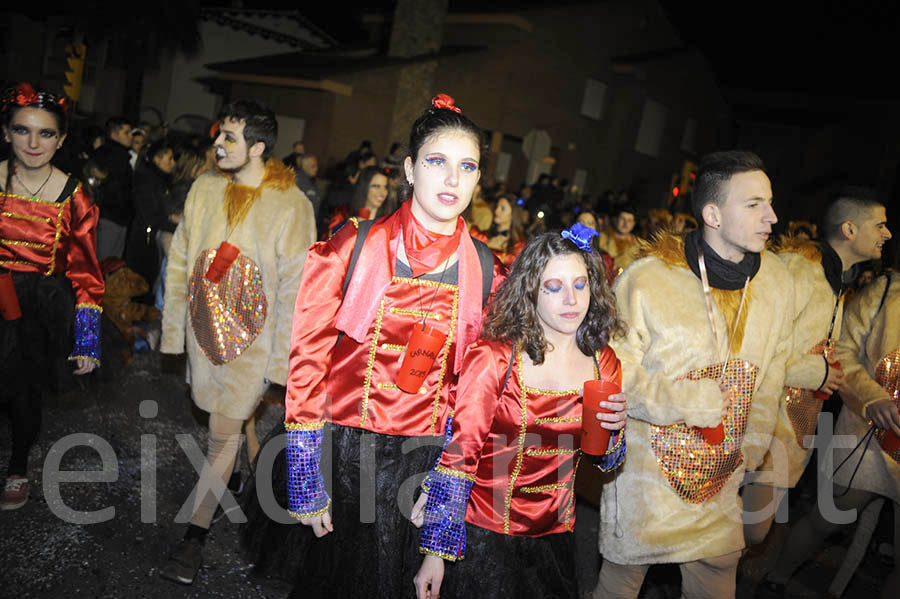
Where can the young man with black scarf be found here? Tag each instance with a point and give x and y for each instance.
(854, 231)
(709, 332)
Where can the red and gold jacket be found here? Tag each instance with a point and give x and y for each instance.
(58, 237)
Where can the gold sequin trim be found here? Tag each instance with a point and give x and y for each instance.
(423, 282)
(440, 554)
(394, 387)
(544, 488)
(355, 221)
(520, 451)
(536, 391)
(28, 244)
(455, 473)
(38, 219)
(444, 356)
(56, 238)
(44, 202)
(417, 313)
(15, 263)
(557, 419)
(88, 358)
(533, 451)
(303, 426)
(371, 364)
(299, 515)
(393, 347)
(89, 305)
(570, 505)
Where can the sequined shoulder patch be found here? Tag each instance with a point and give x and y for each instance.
(227, 316)
(887, 374)
(801, 406)
(694, 468)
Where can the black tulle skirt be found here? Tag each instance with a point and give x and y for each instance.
(498, 565)
(35, 347)
(373, 551)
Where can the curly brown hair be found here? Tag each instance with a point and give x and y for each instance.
(512, 314)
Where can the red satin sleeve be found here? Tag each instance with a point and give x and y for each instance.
(82, 268)
(477, 397)
(314, 335)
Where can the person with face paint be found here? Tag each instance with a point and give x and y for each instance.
(47, 239)
(234, 266)
(709, 320)
(502, 495)
(375, 355)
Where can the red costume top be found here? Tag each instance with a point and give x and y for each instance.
(48, 238)
(353, 383)
(521, 445)
(506, 258)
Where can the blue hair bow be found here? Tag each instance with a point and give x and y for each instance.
(580, 235)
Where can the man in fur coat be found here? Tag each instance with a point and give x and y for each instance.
(869, 352)
(709, 318)
(822, 271)
(235, 323)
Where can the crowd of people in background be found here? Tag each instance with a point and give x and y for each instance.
(546, 283)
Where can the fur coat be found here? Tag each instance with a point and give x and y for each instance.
(237, 332)
(676, 497)
(869, 346)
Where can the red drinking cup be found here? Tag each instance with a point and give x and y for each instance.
(421, 351)
(821, 395)
(9, 301)
(713, 435)
(225, 257)
(595, 438)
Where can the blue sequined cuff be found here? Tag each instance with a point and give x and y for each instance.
(448, 434)
(305, 485)
(87, 334)
(444, 530)
(613, 458)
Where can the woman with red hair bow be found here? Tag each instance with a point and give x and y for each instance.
(47, 252)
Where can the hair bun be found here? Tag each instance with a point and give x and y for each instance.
(444, 101)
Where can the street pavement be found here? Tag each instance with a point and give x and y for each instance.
(60, 544)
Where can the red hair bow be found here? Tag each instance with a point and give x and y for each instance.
(444, 101)
(25, 95)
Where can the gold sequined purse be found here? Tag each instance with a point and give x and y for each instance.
(887, 374)
(226, 316)
(800, 404)
(695, 469)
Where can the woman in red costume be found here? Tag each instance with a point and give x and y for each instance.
(416, 274)
(47, 241)
(368, 201)
(505, 483)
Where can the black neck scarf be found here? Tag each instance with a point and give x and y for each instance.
(722, 273)
(833, 267)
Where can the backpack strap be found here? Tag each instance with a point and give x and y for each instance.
(362, 231)
(486, 257)
(512, 358)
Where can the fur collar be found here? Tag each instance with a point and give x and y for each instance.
(239, 198)
(668, 247)
(805, 247)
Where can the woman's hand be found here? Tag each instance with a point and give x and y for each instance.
(84, 366)
(417, 516)
(321, 524)
(428, 579)
(616, 419)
